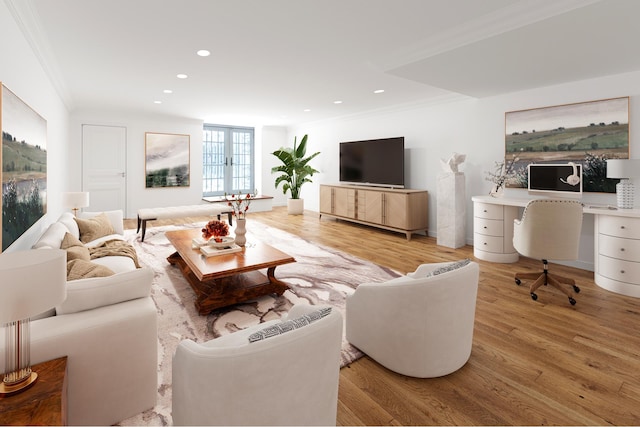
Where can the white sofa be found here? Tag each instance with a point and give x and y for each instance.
(419, 325)
(107, 328)
(281, 372)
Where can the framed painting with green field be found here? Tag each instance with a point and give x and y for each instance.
(167, 160)
(24, 167)
(588, 133)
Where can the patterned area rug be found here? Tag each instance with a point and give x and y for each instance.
(320, 275)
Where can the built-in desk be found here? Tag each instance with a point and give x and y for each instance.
(616, 239)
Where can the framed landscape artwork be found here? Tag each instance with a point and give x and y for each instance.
(24, 166)
(166, 160)
(588, 133)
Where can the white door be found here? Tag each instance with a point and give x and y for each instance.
(104, 166)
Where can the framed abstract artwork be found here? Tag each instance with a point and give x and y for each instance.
(167, 160)
(24, 166)
(588, 133)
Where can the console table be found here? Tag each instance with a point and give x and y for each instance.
(616, 239)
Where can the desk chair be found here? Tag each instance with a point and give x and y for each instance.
(549, 229)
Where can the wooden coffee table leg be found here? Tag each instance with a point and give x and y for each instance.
(271, 271)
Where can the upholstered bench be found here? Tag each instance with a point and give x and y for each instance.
(149, 214)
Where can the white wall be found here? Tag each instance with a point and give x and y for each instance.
(21, 72)
(474, 127)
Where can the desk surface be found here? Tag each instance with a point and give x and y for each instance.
(588, 208)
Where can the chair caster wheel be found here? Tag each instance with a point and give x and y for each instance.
(534, 296)
(572, 301)
(576, 289)
(518, 282)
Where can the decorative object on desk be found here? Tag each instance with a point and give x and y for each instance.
(294, 172)
(241, 231)
(584, 133)
(451, 164)
(240, 203)
(215, 229)
(502, 173)
(75, 200)
(624, 169)
(33, 282)
(209, 251)
(221, 242)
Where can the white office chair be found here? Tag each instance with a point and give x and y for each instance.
(419, 325)
(281, 372)
(549, 229)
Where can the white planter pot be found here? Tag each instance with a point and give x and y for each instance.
(295, 206)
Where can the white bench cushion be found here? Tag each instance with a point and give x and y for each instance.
(182, 211)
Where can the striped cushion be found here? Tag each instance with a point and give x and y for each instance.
(289, 325)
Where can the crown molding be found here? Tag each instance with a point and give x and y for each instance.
(517, 15)
(27, 19)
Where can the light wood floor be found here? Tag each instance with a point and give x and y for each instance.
(539, 362)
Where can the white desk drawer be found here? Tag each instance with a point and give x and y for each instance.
(488, 243)
(488, 210)
(616, 269)
(489, 227)
(619, 226)
(617, 247)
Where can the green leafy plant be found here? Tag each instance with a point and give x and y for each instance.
(294, 170)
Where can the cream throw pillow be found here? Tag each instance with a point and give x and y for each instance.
(94, 228)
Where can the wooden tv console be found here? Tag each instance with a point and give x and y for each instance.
(401, 210)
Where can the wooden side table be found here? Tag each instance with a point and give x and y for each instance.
(44, 403)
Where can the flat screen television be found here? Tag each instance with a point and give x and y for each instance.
(555, 180)
(375, 162)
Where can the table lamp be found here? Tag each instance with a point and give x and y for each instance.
(75, 200)
(624, 169)
(31, 283)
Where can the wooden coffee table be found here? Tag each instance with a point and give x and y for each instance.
(224, 280)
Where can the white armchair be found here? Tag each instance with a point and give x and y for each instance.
(421, 324)
(282, 378)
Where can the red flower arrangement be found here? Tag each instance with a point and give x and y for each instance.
(215, 229)
(239, 204)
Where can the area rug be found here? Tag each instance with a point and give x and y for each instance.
(320, 275)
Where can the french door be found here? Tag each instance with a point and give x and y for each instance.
(227, 160)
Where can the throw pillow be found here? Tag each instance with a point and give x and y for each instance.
(81, 269)
(94, 228)
(78, 252)
(289, 325)
(450, 267)
(69, 241)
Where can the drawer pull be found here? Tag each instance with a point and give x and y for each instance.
(621, 249)
(485, 211)
(622, 271)
(485, 227)
(622, 227)
(485, 243)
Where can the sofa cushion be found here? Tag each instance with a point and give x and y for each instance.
(87, 294)
(289, 325)
(52, 237)
(68, 220)
(82, 269)
(115, 218)
(94, 228)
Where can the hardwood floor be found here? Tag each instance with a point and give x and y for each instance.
(539, 362)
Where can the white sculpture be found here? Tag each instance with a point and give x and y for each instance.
(451, 165)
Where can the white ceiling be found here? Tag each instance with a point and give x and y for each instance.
(272, 59)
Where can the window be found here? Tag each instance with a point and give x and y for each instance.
(227, 160)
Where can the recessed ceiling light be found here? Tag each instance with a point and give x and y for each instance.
(337, 102)
(203, 52)
(157, 102)
(167, 91)
(306, 110)
(378, 91)
(182, 76)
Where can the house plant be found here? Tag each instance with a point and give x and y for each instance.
(294, 171)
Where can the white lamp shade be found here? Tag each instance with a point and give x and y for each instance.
(31, 282)
(75, 199)
(623, 168)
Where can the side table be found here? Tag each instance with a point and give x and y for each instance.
(44, 403)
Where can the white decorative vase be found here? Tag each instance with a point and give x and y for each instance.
(241, 230)
(295, 206)
(497, 191)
